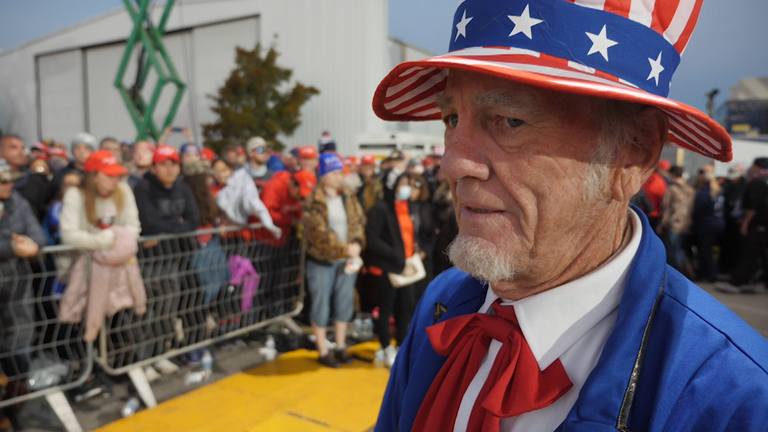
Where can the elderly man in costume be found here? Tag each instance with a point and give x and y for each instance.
(561, 313)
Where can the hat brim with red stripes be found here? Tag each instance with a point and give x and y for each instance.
(408, 92)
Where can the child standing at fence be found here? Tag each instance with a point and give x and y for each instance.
(334, 228)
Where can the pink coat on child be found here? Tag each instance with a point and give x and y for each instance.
(115, 284)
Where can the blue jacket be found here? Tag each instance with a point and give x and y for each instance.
(708, 212)
(677, 359)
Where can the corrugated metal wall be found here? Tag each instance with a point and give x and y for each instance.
(62, 106)
(338, 46)
(203, 57)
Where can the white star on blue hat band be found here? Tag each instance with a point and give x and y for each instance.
(592, 38)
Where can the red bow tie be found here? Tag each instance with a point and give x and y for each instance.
(514, 386)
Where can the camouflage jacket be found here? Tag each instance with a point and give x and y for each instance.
(322, 243)
(677, 207)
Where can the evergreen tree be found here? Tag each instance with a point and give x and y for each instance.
(251, 103)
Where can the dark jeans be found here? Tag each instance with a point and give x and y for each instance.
(730, 246)
(753, 249)
(367, 290)
(675, 253)
(170, 286)
(401, 302)
(707, 265)
(16, 320)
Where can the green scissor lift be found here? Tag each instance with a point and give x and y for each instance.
(153, 56)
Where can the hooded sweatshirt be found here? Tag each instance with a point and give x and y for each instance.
(17, 217)
(283, 209)
(16, 306)
(165, 210)
(390, 240)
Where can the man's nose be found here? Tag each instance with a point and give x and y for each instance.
(466, 149)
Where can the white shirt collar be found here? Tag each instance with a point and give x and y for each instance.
(552, 321)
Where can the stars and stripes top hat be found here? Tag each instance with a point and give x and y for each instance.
(618, 49)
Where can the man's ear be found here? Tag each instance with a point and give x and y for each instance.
(637, 161)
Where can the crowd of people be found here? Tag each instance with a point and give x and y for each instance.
(713, 227)
(365, 220)
(375, 229)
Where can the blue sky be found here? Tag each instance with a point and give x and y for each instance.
(730, 42)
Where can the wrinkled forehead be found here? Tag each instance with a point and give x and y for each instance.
(482, 91)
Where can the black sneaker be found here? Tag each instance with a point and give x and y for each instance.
(343, 356)
(329, 360)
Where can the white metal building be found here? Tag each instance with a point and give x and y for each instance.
(62, 83)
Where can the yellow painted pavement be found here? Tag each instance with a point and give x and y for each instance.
(291, 394)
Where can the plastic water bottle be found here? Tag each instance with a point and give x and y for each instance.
(131, 407)
(357, 328)
(207, 361)
(269, 350)
(270, 342)
(367, 329)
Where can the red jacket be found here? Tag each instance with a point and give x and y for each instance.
(654, 189)
(285, 211)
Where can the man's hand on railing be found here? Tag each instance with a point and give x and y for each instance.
(23, 246)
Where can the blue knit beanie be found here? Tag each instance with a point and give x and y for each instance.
(329, 162)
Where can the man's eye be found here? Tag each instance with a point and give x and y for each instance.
(451, 120)
(513, 122)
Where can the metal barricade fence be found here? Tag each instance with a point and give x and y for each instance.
(40, 355)
(203, 287)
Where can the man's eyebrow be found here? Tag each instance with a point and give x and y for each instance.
(517, 100)
(443, 101)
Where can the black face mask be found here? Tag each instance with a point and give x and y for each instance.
(57, 164)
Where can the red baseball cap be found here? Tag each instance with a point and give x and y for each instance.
(665, 164)
(105, 162)
(350, 160)
(55, 151)
(165, 152)
(208, 154)
(368, 159)
(40, 147)
(308, 152)
(306, 181)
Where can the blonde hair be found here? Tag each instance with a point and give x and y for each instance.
(708, 171)
(88, 187)
(714, 188)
